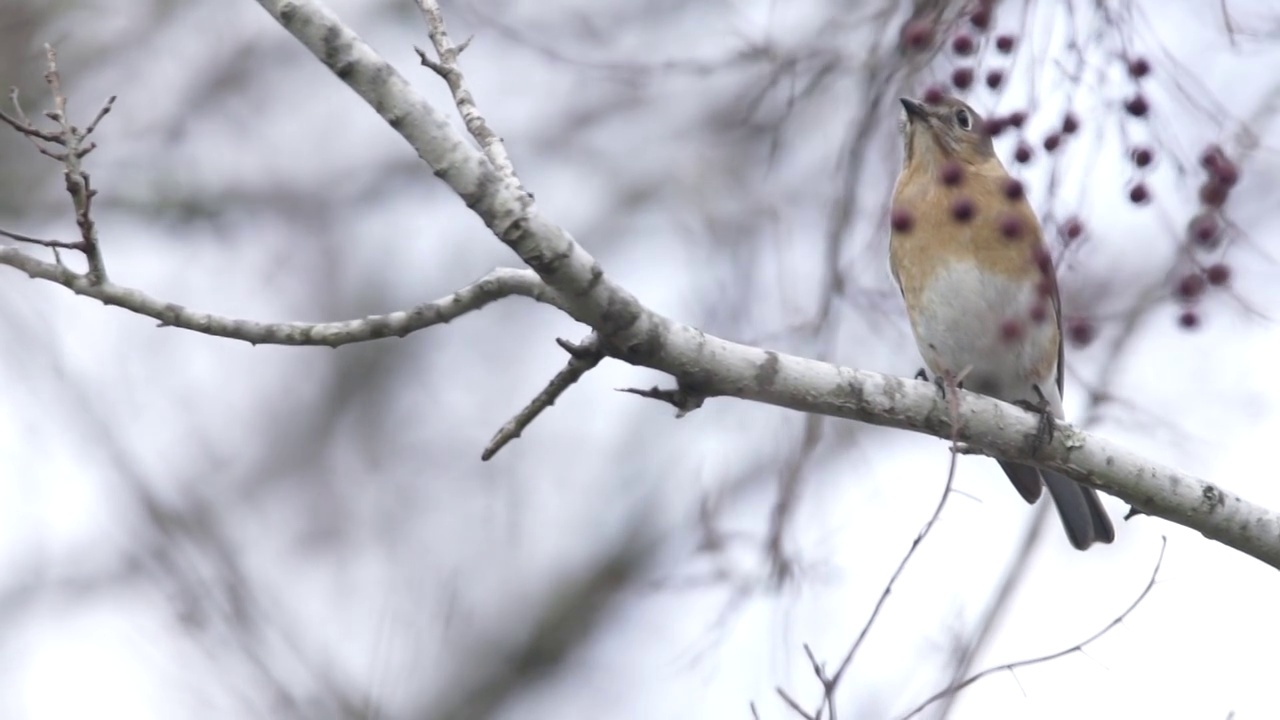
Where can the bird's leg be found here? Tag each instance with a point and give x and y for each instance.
(941, 381)
(1044, 431)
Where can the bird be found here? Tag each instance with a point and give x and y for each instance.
(978, 282)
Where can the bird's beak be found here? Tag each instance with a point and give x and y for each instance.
(915, 110)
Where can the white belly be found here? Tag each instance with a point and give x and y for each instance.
(966, 322)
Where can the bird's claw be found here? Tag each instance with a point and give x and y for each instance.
(1045, 430)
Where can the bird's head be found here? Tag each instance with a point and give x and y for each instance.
(948, 129)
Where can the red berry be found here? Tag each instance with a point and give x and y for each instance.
(981, 18)
(1189, 319)
(1218, 275)
(1211, 156)
(1044, 262)
(1204, 231)
(1044, 288)
(1137, 106)
(1039, 312)
(1191, 286)
(962, 77)
(1142, 157)
(1004, 43)
(1226, 173)
(1070, 124)
(993, 126)
(962, 44)
(962, 209)
(1052, 141)
(951, 174)
(1023, 153)
(901, 220)
(1081, 331)
(1139, 194)
(1013, 188)
(933, 95)
(1213, 194)
(1139, 67)
(918, 34)
(1011, 227)
(1011, 330)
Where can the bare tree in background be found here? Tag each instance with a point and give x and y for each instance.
(315, 526)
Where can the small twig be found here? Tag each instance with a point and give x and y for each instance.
(794, 704)
(996, 608)
(448, 70)
(682, 399)
(830, 684)
(582, 357)
(788, 496)
(955, 688)
(55, 244)
(77, 180)
(102, 112)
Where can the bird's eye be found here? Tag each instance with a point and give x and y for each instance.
(963, 119)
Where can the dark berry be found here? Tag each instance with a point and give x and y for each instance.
(1189, 319)
(994, 126)
(1016, 118)
(1052, 141)
(1226, 173)
(962, 209)
(1044, 262)
(1004, 43)
(933, 95)
(994, 78)
(1013, 188)
(1011, 227)
(962, 44)
(1039, 312)
(1011, 330)
(1136, 106)
(1142, 157)
(1139, 194)
(1070, 124)
(1191, 286)
(1072, 228)
(1139, 67)
(918, 34)
(901, 220)
(1211, 156)
(1204, 231)
(981, 18)
(962, 77)
(1213, 194)
(1023, 153)
(1218, 275)
(951, 174)
(1080, 331)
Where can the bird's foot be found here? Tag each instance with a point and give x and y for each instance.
(1044, 431)
(941, 381)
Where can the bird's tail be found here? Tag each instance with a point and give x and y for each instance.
(1083, 516)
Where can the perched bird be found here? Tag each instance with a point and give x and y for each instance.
(979, 286)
